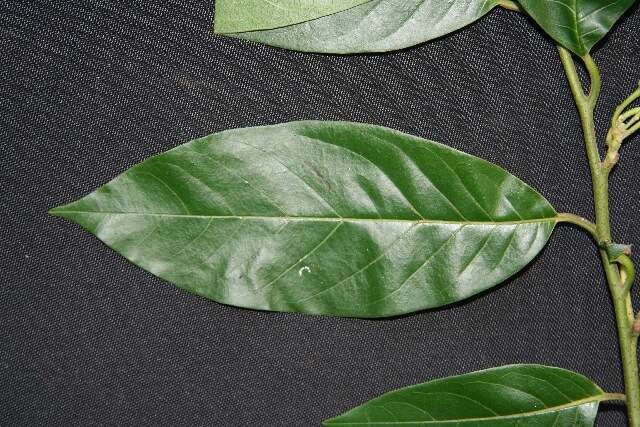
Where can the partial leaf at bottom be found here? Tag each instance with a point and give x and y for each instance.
(511, 396)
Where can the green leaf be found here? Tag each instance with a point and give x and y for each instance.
(517, 395)
(576, 24)
(234, 16)
(331, 218)
(375, 26)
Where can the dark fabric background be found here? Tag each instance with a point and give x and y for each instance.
(89, 88)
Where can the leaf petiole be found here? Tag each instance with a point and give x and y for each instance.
(509, 5)
(619, 112)
(633, 113)
(614, 396)
(581, 222)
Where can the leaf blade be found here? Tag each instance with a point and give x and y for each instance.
(576, 24)
(337, 218)
(374, 26)
(233, 16)
(522, 395)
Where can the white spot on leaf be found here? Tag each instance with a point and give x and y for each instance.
(303, 269)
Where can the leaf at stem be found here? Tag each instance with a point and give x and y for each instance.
(576, 24)
(517, 395)
(329, 218)
(374, 26)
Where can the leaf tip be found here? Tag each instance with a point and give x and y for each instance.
(55, 211)
(58, 211)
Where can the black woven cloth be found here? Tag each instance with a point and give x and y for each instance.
(89, 88)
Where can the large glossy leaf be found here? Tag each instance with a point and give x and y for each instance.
(517, 395)
(250, 15)
(375, 26)
(320, 217)
(576, 24)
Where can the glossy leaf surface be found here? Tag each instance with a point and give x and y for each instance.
(517, 395)
(576, 24)
(375, 26)
(331, 218)
(250, 15)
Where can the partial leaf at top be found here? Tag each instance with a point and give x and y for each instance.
(576, 24)
(511, 396)
(374, 26)
(330, 218)
(234, 16)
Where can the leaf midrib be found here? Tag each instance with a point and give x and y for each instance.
(578, 32)
(548, 410)
(309, 218)
(575, 28)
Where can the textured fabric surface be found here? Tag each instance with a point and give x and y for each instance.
(89, 88)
